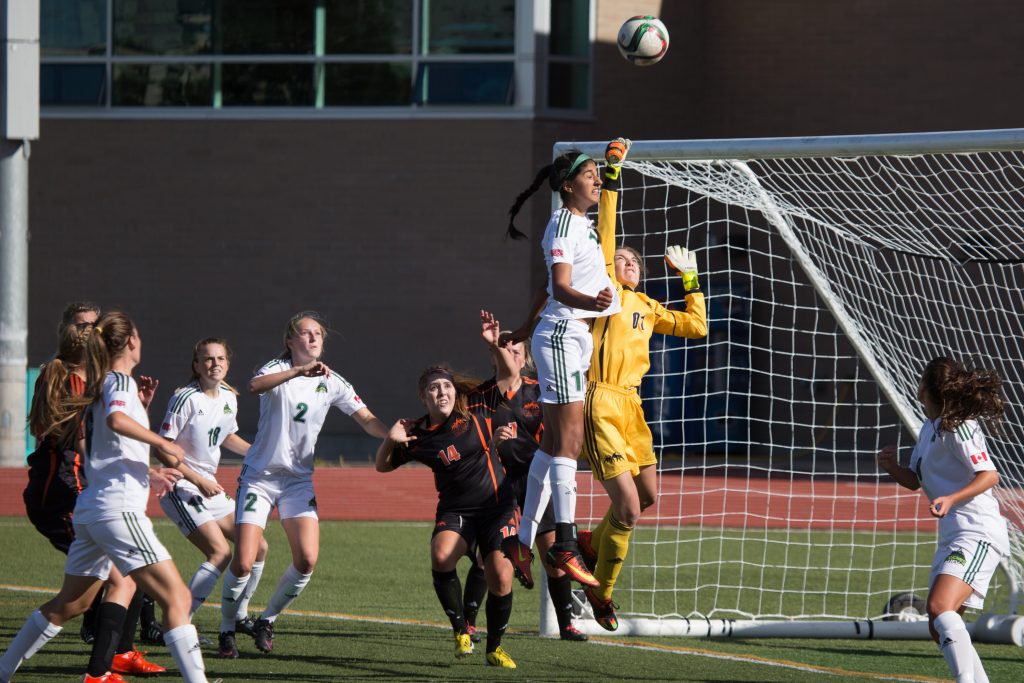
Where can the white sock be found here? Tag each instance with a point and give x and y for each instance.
(230, 592)
(250, 590)
(538, 493)
(36, 632)
(563, 489)
(202, 584)
(183, 642)
(288, 588)
(979, 671)
(955, 644)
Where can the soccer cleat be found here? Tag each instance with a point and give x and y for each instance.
(585, 539)
(570, 632)
(151, 634)
(226, 646)
(473, 635)
(500, 658)
(604, 610)
(245, 625)
(263, 635)
(520, 556)
(88, 635)
(133, 662)
(463, 645)
(566, 557)
(109, 677)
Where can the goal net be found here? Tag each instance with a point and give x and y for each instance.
(834, 269)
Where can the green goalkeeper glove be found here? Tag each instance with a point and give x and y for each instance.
(685, 263)
(614, 155)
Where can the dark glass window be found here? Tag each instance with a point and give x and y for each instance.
(73, 27)
(365, 85)
(265, 85)
(570, 28)
(163, 27)
(568, 86)
(162, 85)
(264, 27)
(72, 84)
(459, 27)
(369, 27)
(464, 83)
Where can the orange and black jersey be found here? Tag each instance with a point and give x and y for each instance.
(467, 476)
(55, 475)
(521, 411)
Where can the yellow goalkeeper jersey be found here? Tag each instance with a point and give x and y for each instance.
(622, 341)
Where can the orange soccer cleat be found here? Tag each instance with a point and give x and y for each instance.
(133, 662)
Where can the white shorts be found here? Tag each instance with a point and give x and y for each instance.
(258, 495)
(189, 509)
(126, 538)
(971, 560)
(561, 350)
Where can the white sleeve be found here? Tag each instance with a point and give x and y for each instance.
(118, 392)
(970, 441)
(345, 398)
(233, 403)
(175, 421)
(562, 249)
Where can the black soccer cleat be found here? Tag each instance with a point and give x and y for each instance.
(226, 646)
(263, 635)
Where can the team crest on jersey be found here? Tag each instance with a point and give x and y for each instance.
(956, 557)
(227, 409)
(321, 388)
(460, 426)
(531, 409)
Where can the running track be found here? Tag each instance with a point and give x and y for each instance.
(407, 494)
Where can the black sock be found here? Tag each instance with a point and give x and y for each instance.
(89, 618)
(109, 622)
(148, 614)
(560, 590)
(565, 533)
(449, 592)
(499, 609)
(131, 623)
(473, 596)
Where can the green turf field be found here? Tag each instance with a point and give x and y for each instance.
(370, 613)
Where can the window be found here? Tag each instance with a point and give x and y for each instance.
(343, 55)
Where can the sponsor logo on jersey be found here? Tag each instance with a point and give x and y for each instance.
(321, 388)
(979, 457)
(227, 409)
(165, 426)
(531, 409)
(557, 252)
(200, 412)
(956, 557)
(117, 402)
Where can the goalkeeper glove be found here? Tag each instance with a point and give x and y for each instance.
(614, 155)
(685, 263)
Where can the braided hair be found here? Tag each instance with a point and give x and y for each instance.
(564, 168)
(963, 394)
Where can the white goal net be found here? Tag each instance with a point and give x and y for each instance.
(834, 269)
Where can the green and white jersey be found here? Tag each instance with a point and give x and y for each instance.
(945, 462)
(117, 467)
(199, 424)
(291, 415)
(572, 239)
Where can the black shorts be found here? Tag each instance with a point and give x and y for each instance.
(51, 518)
(481, 529)
(547, 520)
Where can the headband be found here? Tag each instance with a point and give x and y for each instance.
(576, 164)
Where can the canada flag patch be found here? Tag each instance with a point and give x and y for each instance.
(979, 457)
(557, 252)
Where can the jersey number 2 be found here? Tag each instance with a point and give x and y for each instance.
(301, 415)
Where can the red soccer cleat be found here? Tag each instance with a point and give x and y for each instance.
(570, 632)
(567, 558)
(585, 539)
(520, 556)
(133, 662)
(108, 677)
(604, 610)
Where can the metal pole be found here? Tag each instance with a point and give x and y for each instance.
(19, 123)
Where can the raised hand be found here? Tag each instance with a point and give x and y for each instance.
(490, 328)
(684, 261)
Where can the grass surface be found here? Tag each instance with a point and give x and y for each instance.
(370, 613)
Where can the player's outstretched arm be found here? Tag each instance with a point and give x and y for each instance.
(260, 384)
(607, 211)
(691, 323)
(370, 423)
(396, 436)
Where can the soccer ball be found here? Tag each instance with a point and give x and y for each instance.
(643, 40)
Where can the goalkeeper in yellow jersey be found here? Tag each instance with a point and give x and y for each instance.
(617, 440)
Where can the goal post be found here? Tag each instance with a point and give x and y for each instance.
(834, 268)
